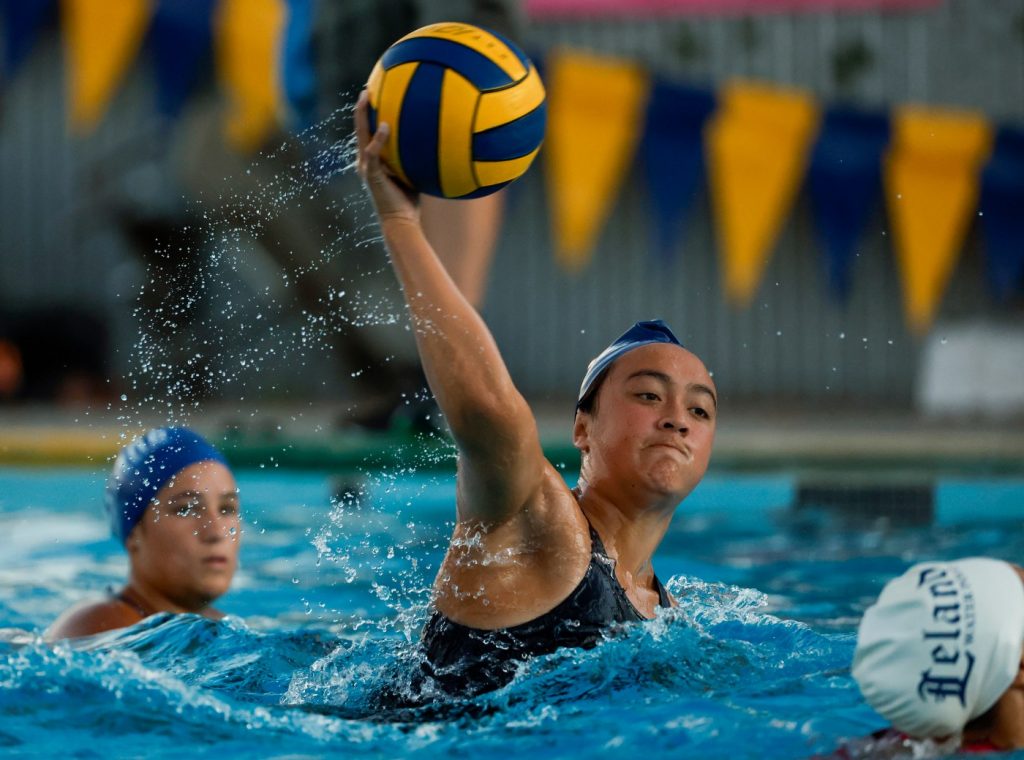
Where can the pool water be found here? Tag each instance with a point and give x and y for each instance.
(332, 591)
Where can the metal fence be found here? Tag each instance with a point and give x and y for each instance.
(794, 344)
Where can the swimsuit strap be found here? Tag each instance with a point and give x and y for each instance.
(664, 600)
(596, 544)
(597, 547)
(126, 597)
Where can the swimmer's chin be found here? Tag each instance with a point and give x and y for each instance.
(677, 453)
(671, 478)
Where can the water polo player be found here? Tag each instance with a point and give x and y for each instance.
(534, 565)
(173, 503)
(940, 655)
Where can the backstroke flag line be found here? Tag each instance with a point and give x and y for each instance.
(633, 8)
(750, 140)
(103, 40)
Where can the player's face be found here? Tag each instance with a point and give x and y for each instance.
(186, 545)
(653, 424)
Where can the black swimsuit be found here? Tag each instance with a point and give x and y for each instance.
(466, 661)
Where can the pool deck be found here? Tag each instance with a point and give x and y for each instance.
(306, 436)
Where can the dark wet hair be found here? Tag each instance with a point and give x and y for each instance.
(588, 403)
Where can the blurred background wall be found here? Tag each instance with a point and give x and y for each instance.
(78, 211)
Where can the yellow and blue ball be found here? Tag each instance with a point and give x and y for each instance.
(466, 109)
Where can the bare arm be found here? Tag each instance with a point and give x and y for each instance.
(501, 463)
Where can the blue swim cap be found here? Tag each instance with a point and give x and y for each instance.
(640, 334)
(144, 466)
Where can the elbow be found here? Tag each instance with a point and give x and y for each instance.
(497, 421)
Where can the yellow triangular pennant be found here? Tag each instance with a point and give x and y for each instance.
(595, 116)
(931, 188)
(757, 146)
(101, 41)
(250, 34)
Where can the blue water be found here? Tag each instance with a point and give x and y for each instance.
(331, 594)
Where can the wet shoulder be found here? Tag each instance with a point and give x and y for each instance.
(90, 618)
(507, 575)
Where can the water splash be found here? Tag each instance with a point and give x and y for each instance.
(206, 331)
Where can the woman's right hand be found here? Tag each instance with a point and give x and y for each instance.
(392, 200)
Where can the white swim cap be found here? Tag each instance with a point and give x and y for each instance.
(941, 645)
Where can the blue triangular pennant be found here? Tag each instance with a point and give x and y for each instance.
(673, 154)
(297, 65)
(845, 181)
(181, 37)
(1002, 213)
(22, 20)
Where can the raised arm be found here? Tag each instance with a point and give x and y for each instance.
(501, 463)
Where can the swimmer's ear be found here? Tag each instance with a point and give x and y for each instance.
(133, 543)
(581, 432)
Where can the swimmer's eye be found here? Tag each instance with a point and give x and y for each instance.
(228, 510)
(700, 412)
(185, 510)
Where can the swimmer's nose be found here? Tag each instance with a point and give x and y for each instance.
(671, 423)
(212, 530)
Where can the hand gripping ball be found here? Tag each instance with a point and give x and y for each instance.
(465, 106)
